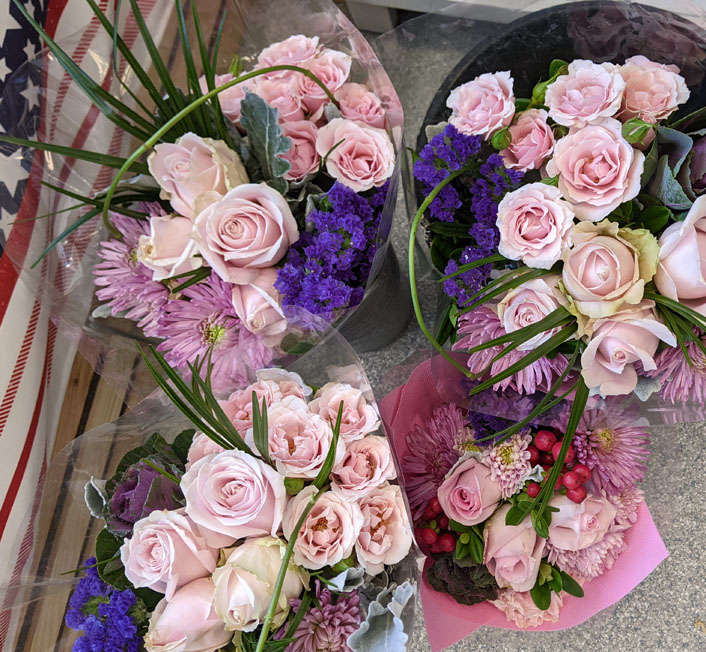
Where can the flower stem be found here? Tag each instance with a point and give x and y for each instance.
(412, 272)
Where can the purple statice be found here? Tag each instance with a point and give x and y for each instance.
(124, 283)
(202, 321)
(327, 268)
(109, 619)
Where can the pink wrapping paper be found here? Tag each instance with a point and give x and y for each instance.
(447, 622)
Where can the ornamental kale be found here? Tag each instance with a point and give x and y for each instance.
(467, 585)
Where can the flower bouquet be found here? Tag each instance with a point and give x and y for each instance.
(276, 525)
(599, 543)
(263, 183)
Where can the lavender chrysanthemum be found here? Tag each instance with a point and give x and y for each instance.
(616, 454)
(432, 449)
(627, 503)
(590, 562)
(681, 382)
(509, 463)
(482, 325)
(326, 629)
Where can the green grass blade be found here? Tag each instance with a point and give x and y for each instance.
(66, 233)
(192, 77)
(501, 285)
(95, 202)
(323, 476)
(495, 258)
(217, 43)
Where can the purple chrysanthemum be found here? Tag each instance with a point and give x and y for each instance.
(124, 283)
(681, 382)
(482, 325)
(432, 449)
(204, 320)
(326, 629)
(616, 454)
(509, 463)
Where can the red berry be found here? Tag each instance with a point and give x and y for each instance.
(435, 548)
(572, 480)
(435, 505)
(428, 536)
(546, 467)
(534, 454)
(533, 489)
(577, 494)
(544, 440)
(583, 472)
(559, 482)
(546, 458)
(556, 449)
(447, 542)
(444, 522)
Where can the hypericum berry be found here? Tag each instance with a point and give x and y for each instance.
(546, 458)
(577, 494)
(559, 482)
(436, 506)
(447, 542)
(428, 536)
(556, 449)
(534, 454)
(544, 440)
(435, 547)
(572, 479)
(533, 489)
(444, 522)
(583, 471)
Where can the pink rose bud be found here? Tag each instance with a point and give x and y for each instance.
(681, 274)
(332, 68)
(302, 155)
(579, 525)
(257, 305)
(166, 551)
(483, 106)
(513, 553)
(588, 92)
(293, 51)
(519, 608)
(359, 418)
(617, 344)
(534, 224)
(653, 91)
(230, 98)
(329, 532)
(367, 464)
(358, 103)
(238, 407)
(250, 228)
(386, 535)
(194, 172)
(169, 249)
(598, 169)
(532, 141)
(187, 622)
(281, 94)
(201, 446)
(469, 495)
(365, 157)
(232, 495)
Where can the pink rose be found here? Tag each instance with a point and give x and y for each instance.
(528, 304)
(579, 525)
(187, 622)
(289, 382)
(250, 228)
(302, 155)
(365, 158)
(359, 417)
(367, 464)
(603, 270)
(519, 608)
(280, 93)
(513, 553)
(169, 249)
(195, 171)
(534, 224)
(386, 535)
(588, 92)
(681, 273)
(165, 552)
(482, 106)
(238, 407)
(232, 495)
(532, 141)
(201, 446)
(653, 91)
(230, 98)
(293, 51)
(608, 362)
(358, 103)
(329, 531)
(299, 440)
(257, 305)
(469, 495)
(332, 68)
(598, 169)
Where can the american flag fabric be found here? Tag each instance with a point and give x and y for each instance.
(36, 359)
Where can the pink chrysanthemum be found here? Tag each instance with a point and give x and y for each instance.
(519, 608)
(509, 463)
(615, 453)
(590, 562)
(204, 319)
(482, 325)
(125, 284)
(681, 382)
(327, 629)
(627, 503)
(432, 449)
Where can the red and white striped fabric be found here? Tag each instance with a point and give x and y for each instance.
(36, 358)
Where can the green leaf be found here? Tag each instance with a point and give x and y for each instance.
(293, 485)
(515, 516)
(692, 122)
(501, 139)
(292, 345)
(557, 66)
(551, 181)
(110, 568)
(541, 595)
(182, 443)
(655, 218)
(635, 130)
(462, 551)
(555, 583)
(666, 188)
(540, 525)
(570, 585)
(442, 250)
(476, 548)
(651, 160)
(459, 527)
(521, 104)
(450, 229)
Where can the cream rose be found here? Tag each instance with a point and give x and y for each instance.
(257, 305)
(532, 141)
(367, 464)
(359, 418)
(579, 525)
(169, 249)
(598, 169)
